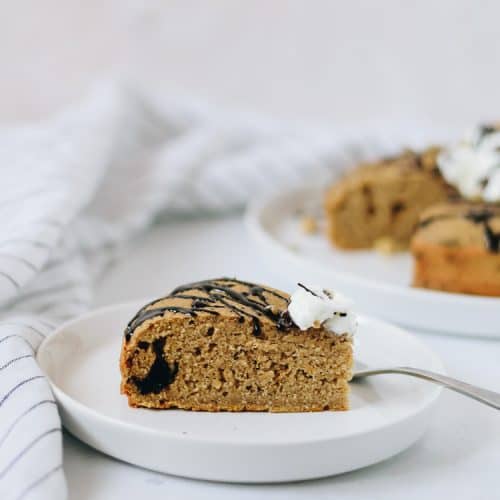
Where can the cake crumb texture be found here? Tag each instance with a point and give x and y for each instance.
(384, 200)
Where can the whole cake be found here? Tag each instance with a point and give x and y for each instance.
(225, 344)
(383, 200)
(457, 248)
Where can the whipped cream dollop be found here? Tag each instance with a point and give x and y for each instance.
(473, 165)
(314, 306)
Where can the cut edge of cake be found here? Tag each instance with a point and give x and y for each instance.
(378, 204)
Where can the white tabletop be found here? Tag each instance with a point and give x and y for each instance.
(458, 458)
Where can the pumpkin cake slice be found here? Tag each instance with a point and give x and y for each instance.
(228, 345)
(456, 248)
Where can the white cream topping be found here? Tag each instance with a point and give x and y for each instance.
(313, 307)
(473, 165)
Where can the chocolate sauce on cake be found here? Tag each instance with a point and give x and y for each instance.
(434, 218)
(479, 215)
(307, 289)
(492, 239)
(485, 130)
(212, 295)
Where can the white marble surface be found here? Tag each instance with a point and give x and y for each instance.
(458, 458)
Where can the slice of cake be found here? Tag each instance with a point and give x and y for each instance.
(457, 248)
(225, 344)
(382, 201)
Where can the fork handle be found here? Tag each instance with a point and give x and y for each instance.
(490, 398)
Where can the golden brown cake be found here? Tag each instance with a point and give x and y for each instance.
(383, 200)
(225, 344)
(457, 248)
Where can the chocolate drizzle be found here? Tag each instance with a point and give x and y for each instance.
(307, 289)
(434, 218)
(479, 215)
(256, 329)
(212, 295)
(285, 321)
(485, 130)
(492, 238)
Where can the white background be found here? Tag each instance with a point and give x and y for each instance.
(344, 61)
(426, 62)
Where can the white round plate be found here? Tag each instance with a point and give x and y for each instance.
(379, 284)
(388, 413)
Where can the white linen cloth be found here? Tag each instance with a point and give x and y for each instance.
(76, 186)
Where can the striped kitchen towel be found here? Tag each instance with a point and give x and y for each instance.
(77, 186)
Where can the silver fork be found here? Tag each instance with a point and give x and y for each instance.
(490, 398)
